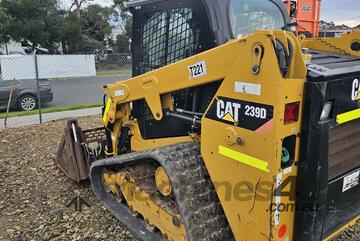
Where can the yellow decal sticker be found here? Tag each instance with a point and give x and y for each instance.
(243, 158)
(348, 116)
(229, 117)
(107, 108)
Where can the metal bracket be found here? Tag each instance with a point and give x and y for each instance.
(152, 96)
(257, 56)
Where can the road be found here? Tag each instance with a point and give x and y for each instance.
(80, 90)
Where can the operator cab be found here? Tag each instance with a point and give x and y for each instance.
(167, 31)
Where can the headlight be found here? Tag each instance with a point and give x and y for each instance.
(326, 111)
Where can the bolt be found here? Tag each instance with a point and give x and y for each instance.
(255, 69)
(239, 141)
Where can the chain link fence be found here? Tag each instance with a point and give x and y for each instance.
(39, 88)
(120, 62)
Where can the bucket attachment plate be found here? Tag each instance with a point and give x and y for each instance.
(78, 149)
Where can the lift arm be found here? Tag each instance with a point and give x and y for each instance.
(207, 67)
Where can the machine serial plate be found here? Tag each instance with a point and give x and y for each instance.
(351, 181)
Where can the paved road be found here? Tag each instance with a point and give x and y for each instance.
(81, 90)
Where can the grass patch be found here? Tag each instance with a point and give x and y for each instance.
(49, 110)
(112, 73)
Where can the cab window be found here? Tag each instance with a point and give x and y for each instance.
(247, 16)
(168, 36)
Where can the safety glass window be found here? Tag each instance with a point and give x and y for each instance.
(247, 16)
(168, 36)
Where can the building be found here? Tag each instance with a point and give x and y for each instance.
(12, 48)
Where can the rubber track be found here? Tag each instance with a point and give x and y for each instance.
(201, 212)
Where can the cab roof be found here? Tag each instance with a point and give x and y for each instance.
(217, 11)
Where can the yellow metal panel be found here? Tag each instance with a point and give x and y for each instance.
(229, 174)
(152, 96)
(178, 74)
(340, 45)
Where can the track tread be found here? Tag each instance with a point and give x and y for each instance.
(199, 206)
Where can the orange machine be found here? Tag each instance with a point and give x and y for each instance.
(307, 15)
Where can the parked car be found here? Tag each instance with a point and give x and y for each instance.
(104, 55)
(24, 97)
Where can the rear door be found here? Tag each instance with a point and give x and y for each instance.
(342, 203)
(328, 180)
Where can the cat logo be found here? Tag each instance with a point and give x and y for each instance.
(228, 111)
(355, 95)
(244, 114)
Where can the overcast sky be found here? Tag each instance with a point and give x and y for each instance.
(339, 11)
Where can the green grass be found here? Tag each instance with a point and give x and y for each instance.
(112, 73)
(50, 110)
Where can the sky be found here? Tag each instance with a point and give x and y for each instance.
(67, 3)
(339, 11)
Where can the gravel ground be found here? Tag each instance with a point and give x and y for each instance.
(34, 194)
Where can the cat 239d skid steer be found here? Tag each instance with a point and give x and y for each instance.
(232, 128)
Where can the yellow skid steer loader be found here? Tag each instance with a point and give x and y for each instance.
(232, 128)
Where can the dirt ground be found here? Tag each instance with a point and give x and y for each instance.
(34, 194)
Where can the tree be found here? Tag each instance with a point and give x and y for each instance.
(121, 6)
(70, 34)
(122, 43)
(124, 14)
(4, 21)
(88, 33)
(89, 45)
(95, 22)
(122, 40)
(42, 24)
(34, 22)
(77, 4)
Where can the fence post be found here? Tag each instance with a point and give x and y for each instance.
(38, 87)
(9, 101)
